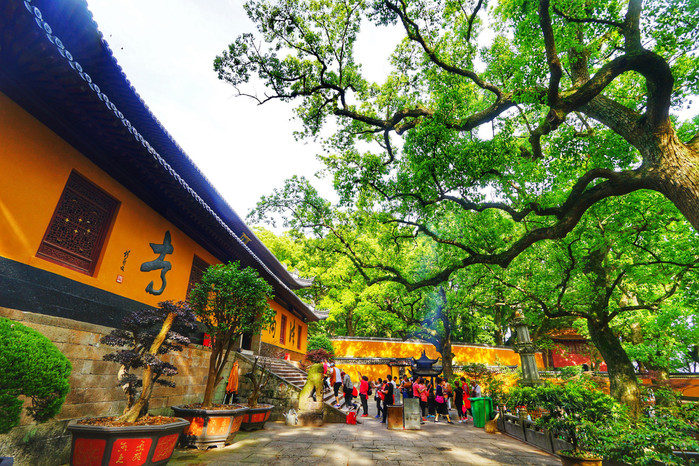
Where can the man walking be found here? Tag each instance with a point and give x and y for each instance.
(348, 388)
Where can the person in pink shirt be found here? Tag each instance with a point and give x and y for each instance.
(423, 393)
(416, 392)
(364, 394)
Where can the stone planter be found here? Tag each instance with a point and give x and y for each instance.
(136, 445)
(567, 460)
(210, 427)
(256, 417)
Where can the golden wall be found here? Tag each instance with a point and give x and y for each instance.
(385, 348)
(34, 166)
(294, 325)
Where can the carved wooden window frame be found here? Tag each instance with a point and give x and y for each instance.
(86, 196)
(282, 330)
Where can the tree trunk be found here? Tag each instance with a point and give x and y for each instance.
(677, 174)
(216, 350)
(622, 376)
(498, 324)
(140, 407)
(446, 359)
(349, 323)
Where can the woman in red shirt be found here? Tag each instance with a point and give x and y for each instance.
(467, 401)
(363, 394)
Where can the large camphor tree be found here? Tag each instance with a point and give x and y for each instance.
(498, 126)
(627, 260)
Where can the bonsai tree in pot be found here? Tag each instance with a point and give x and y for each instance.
(575, 411)
(257, 414)
(229, 300)
(146, 335)
(30, 366)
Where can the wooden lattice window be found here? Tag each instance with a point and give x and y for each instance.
(79, 226)
(298, 342)
(282, 331)
(198, 267)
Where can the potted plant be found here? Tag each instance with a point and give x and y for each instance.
(575, 411)
(33, 368)
(258, 413)
(229, 300)
(135, 435)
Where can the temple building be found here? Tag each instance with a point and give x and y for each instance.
(101, 212)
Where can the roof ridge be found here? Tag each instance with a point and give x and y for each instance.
(75, 65)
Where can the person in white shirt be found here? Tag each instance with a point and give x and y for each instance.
(475, 389)
(336, 382)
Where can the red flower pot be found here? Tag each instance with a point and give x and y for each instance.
(209, 427)
(256, 417)
(129, 445)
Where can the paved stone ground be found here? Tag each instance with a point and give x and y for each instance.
(366, 444)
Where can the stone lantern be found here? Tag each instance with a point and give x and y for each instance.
(527, 352)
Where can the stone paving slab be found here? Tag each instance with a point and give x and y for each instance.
(367, 444)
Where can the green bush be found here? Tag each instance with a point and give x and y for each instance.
(596, 423)
(32, 367)
(652, 439)
(573, 410)
(320, 341)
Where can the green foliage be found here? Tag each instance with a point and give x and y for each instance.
(596, 423)
(491, 384)
(231, 300)
(572, 409)
(651, 439)
(320, 341)
(30, 366)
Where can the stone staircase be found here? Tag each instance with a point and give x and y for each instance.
(292, 375)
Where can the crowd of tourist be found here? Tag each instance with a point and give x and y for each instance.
(437, 395)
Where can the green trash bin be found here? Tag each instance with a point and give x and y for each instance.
(482, 408)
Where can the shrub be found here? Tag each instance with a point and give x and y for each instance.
(30, 366)
(652, 439)
(319, 355)
(230, 300)
(320, 341)
(147, 334)
(573, 410)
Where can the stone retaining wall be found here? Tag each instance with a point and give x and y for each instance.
(93, 390)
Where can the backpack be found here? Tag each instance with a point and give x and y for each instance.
(351, 417)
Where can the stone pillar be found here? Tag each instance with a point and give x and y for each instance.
(527, 352)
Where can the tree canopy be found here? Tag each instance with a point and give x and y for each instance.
(503, 133)
(567, 104)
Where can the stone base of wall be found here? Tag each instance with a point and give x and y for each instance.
(93, 389)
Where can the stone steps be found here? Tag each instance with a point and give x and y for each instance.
(293, 375)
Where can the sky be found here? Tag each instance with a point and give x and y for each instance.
(167, 48)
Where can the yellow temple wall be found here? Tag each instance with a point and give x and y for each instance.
(294, 323)
(35, 164)
(388, 348)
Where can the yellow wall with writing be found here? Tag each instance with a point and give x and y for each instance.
(294, 325)
(34, 166)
